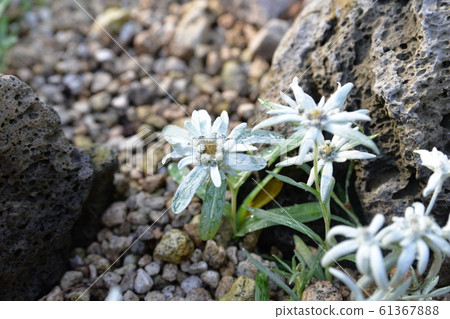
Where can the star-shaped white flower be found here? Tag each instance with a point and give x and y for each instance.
(318, 117)
(363, 240)
(212, 152)
(439, 163)
(338, 150)
(416, 233)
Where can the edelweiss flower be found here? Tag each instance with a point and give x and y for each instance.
(369, 258)
(212, 152)
(439, 163)
(416, 233)
(337, 150)
(379, 295)
(319, 117)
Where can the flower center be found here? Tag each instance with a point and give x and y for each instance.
(316, 117)
(326, 151)
(210, 151)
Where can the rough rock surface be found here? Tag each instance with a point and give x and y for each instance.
(43, 183)
(396, 54)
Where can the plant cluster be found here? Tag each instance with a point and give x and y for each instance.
(324, 134)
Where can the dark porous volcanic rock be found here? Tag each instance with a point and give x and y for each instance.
(43, 183)
(104, 164)
(396, 54)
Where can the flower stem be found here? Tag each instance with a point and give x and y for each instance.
(433, 200)
(233, 218)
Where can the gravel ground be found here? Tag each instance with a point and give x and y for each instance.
(167, 59)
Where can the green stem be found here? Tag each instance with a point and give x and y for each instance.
(348, 211)
(433, 200)
(234, 192)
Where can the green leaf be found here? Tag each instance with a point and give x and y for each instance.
(261, 287)
(304, 213)
(212, 210)
(271, 275)
(286, 219)
(342, 220)
(292, 182)
(188, 187)
(179, 174)
(252, 224)
(349, 257)
(311, 261)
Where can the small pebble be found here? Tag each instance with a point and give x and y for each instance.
(197, 268)
(210, 278)
(143, 282)
(169, 272)
(155, 295)
(153, 268)
(130, 296)
(198, 294)
(71, 278)
(190, 283)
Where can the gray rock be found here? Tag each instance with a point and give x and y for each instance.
(146, 42)
(111, 279)
(397, 58)
(210, 278)
(144, 261)
(169, 272)
(190, 283)
(168, 291)
(155, 296)
(139, 217)
(256, 11)
(213, 254)
(100, 101)
(247, 268)
(197, 255)
(101, 81)
(100, 263)
(174, 247)
(265, 42)
(140, 94)
(130, 296)
(129, 31)
(233, 77)
(70, 279)
(198, 294)
(155, 202)
(153, 268)
(115, 215)
(115, 245)
(130, 259)
(192, 29)
(224, 286)
(143, 282)
(104, 55)
(321, 291)
(198, 268)
(121, 101)
(231, 254)
(43, 183)
(127, 282)
(245, 111)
